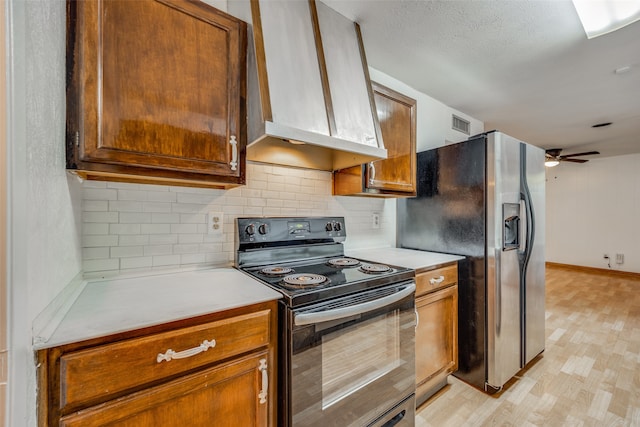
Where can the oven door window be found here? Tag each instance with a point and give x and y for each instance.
(351, 370)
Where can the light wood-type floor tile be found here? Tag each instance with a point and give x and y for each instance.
(588, 375)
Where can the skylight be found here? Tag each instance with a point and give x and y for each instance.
(600, 17)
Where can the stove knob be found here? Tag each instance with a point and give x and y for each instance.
(251, 229)
(263, 229)
(337, 226)
(328, 227)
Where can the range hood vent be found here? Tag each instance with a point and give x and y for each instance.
(310, 101)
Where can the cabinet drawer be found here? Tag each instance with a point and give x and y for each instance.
(98, 373)
(436, 279)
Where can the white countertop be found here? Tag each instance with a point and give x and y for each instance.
(109, 306)
(417, 260)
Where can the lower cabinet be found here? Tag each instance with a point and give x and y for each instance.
(214, 371)
(437, 329)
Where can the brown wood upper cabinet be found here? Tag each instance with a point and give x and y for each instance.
(156, 92)
(396, 175)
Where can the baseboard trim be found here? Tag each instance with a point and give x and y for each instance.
(593, 270)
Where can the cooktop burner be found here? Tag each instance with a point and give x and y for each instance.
(375, 268)
(276, 271)
(343, 262)
(304, 280)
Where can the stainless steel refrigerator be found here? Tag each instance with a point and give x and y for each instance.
(484, 199)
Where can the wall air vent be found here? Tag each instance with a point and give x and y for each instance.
(460, 124)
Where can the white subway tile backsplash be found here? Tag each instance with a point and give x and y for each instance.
(93, 265)
(156, 207)
(134, 217)
(211, 247)
(136, 227)
(183, 228)
(95, 205)
(195, 218)
(166, 260)
(100, 217)
(137, 262)
(134, 240)
(158, 196)
(158, 250)
(99, 194)
(195, 258)
(165, 218)
(190, 238)
(123, 185)
(126, 251)
(155, 228)
(137, 195)
(95, 253)
(89, 241)
(93, 229)
(163, 239)
(125, 206)
(189, 248)
(124, 228)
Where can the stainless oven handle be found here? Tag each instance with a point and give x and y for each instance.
(339, 313)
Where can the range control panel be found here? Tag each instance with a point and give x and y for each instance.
(283, 229)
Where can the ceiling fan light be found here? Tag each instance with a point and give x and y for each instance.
(600, 17)
(551, 163)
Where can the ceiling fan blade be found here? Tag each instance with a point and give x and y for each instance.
(586, 153)
(573, 160)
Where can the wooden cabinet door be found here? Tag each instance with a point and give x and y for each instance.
(229, 395)
(436, 337)
(397, 116)
(394, 176)
(156, 89)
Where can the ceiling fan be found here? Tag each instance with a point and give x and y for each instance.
(553, 157)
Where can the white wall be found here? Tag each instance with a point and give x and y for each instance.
(434, 117)
(44, 252)
(593, 209)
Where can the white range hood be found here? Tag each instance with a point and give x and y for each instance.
(310, 102)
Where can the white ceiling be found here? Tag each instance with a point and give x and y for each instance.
(523, 67)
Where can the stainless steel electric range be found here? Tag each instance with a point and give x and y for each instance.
(347, 337)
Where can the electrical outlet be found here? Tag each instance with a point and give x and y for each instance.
(215, 221)
(375, 220)
(619, 258)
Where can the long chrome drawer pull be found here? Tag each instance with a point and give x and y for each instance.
(265, 381)
(435, 281)
(170, 354)
(339, 313)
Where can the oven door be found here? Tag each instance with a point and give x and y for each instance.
(353, 358)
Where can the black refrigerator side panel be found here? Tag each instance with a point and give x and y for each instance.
(472, 321)
(448, 215)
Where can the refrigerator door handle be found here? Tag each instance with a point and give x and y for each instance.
(524, 218)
